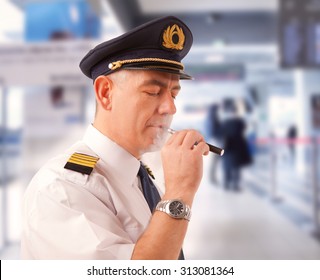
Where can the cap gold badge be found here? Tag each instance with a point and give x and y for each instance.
(169, 41)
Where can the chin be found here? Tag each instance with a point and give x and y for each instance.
(155, 145)
(156, 141)
(153, 148)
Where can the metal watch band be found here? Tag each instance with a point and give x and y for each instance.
(163, 206)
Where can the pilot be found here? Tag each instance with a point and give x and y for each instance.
(98, 200)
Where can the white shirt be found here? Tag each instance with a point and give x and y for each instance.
(70, 215)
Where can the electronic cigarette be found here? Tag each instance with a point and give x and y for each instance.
(212, 148)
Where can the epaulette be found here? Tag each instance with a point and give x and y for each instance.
(81, 163)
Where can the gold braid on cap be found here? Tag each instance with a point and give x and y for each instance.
(118, 64)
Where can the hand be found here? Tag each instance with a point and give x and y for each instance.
(183, 164)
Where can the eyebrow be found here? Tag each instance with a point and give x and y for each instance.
(155, 82)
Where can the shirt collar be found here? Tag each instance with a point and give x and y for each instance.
(121, 165)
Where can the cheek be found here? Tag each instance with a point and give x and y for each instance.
(141, 111)
(124, 106)
(132, 116)
(135, 111)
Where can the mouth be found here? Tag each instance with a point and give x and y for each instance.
(159, 126)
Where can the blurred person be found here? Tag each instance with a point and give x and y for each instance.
(292, 135)
(235, 145)
(98, 200)
(213, 131)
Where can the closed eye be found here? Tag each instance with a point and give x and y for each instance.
(153, 93)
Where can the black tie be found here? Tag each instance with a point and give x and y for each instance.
(149, 190)
(151, 193)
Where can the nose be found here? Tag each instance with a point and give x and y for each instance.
(167, 105)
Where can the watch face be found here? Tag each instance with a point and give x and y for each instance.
(176, 208)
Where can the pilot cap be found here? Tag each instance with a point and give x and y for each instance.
(158, 45)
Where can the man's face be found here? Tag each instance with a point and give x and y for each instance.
(142, 109)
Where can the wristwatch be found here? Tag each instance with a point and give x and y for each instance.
(175, 208)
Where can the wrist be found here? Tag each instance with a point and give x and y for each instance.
(185, 197)
(182, 190)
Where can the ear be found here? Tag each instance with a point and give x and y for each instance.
(102, 87)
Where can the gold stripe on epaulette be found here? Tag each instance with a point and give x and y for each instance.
(83, 159)
(83, 156)
(81, 163)
(84, 163)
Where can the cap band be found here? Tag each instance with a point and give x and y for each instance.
(118, 64)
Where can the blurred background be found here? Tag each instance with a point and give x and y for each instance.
(256, 93)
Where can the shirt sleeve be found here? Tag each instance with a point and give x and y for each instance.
(64, 221)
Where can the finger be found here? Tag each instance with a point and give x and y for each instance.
(192, 138)
(202, 147)
(177, 138)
